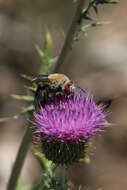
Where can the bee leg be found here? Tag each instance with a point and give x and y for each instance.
(41, 96)
(106, 102)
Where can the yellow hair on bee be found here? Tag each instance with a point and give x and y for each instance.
(60, 78)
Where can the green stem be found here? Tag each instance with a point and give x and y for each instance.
(62, 176)
(70, 34)
(19, 159)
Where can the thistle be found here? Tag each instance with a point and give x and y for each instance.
(66, 125)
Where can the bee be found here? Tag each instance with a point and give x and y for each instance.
(51, 86)
(58, 85)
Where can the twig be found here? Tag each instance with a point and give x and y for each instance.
(70, 34)
(23, 149)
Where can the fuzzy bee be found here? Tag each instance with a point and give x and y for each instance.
(50, 86)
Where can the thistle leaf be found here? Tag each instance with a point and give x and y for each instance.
(108, 1)
(86, 159)
(88, 26)
(48, 45)
(45, 55)
(27, 110)
(5, 119)
(40, 52)
(42, 160)
(23, 97)
(31, 88)
(29, 78)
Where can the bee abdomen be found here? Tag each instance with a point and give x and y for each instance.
(44, 95)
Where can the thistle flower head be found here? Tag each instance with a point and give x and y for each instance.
(68, 123)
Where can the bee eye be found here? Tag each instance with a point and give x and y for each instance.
(67, 89)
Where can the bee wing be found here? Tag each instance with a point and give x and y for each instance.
(41, 78)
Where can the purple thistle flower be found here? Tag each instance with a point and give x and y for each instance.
(74, 118)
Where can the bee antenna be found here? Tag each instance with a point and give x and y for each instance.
(80, 88)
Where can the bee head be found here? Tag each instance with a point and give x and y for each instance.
(62, 81)
(69, 88)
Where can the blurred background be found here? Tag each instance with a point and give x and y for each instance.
(97, 61)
